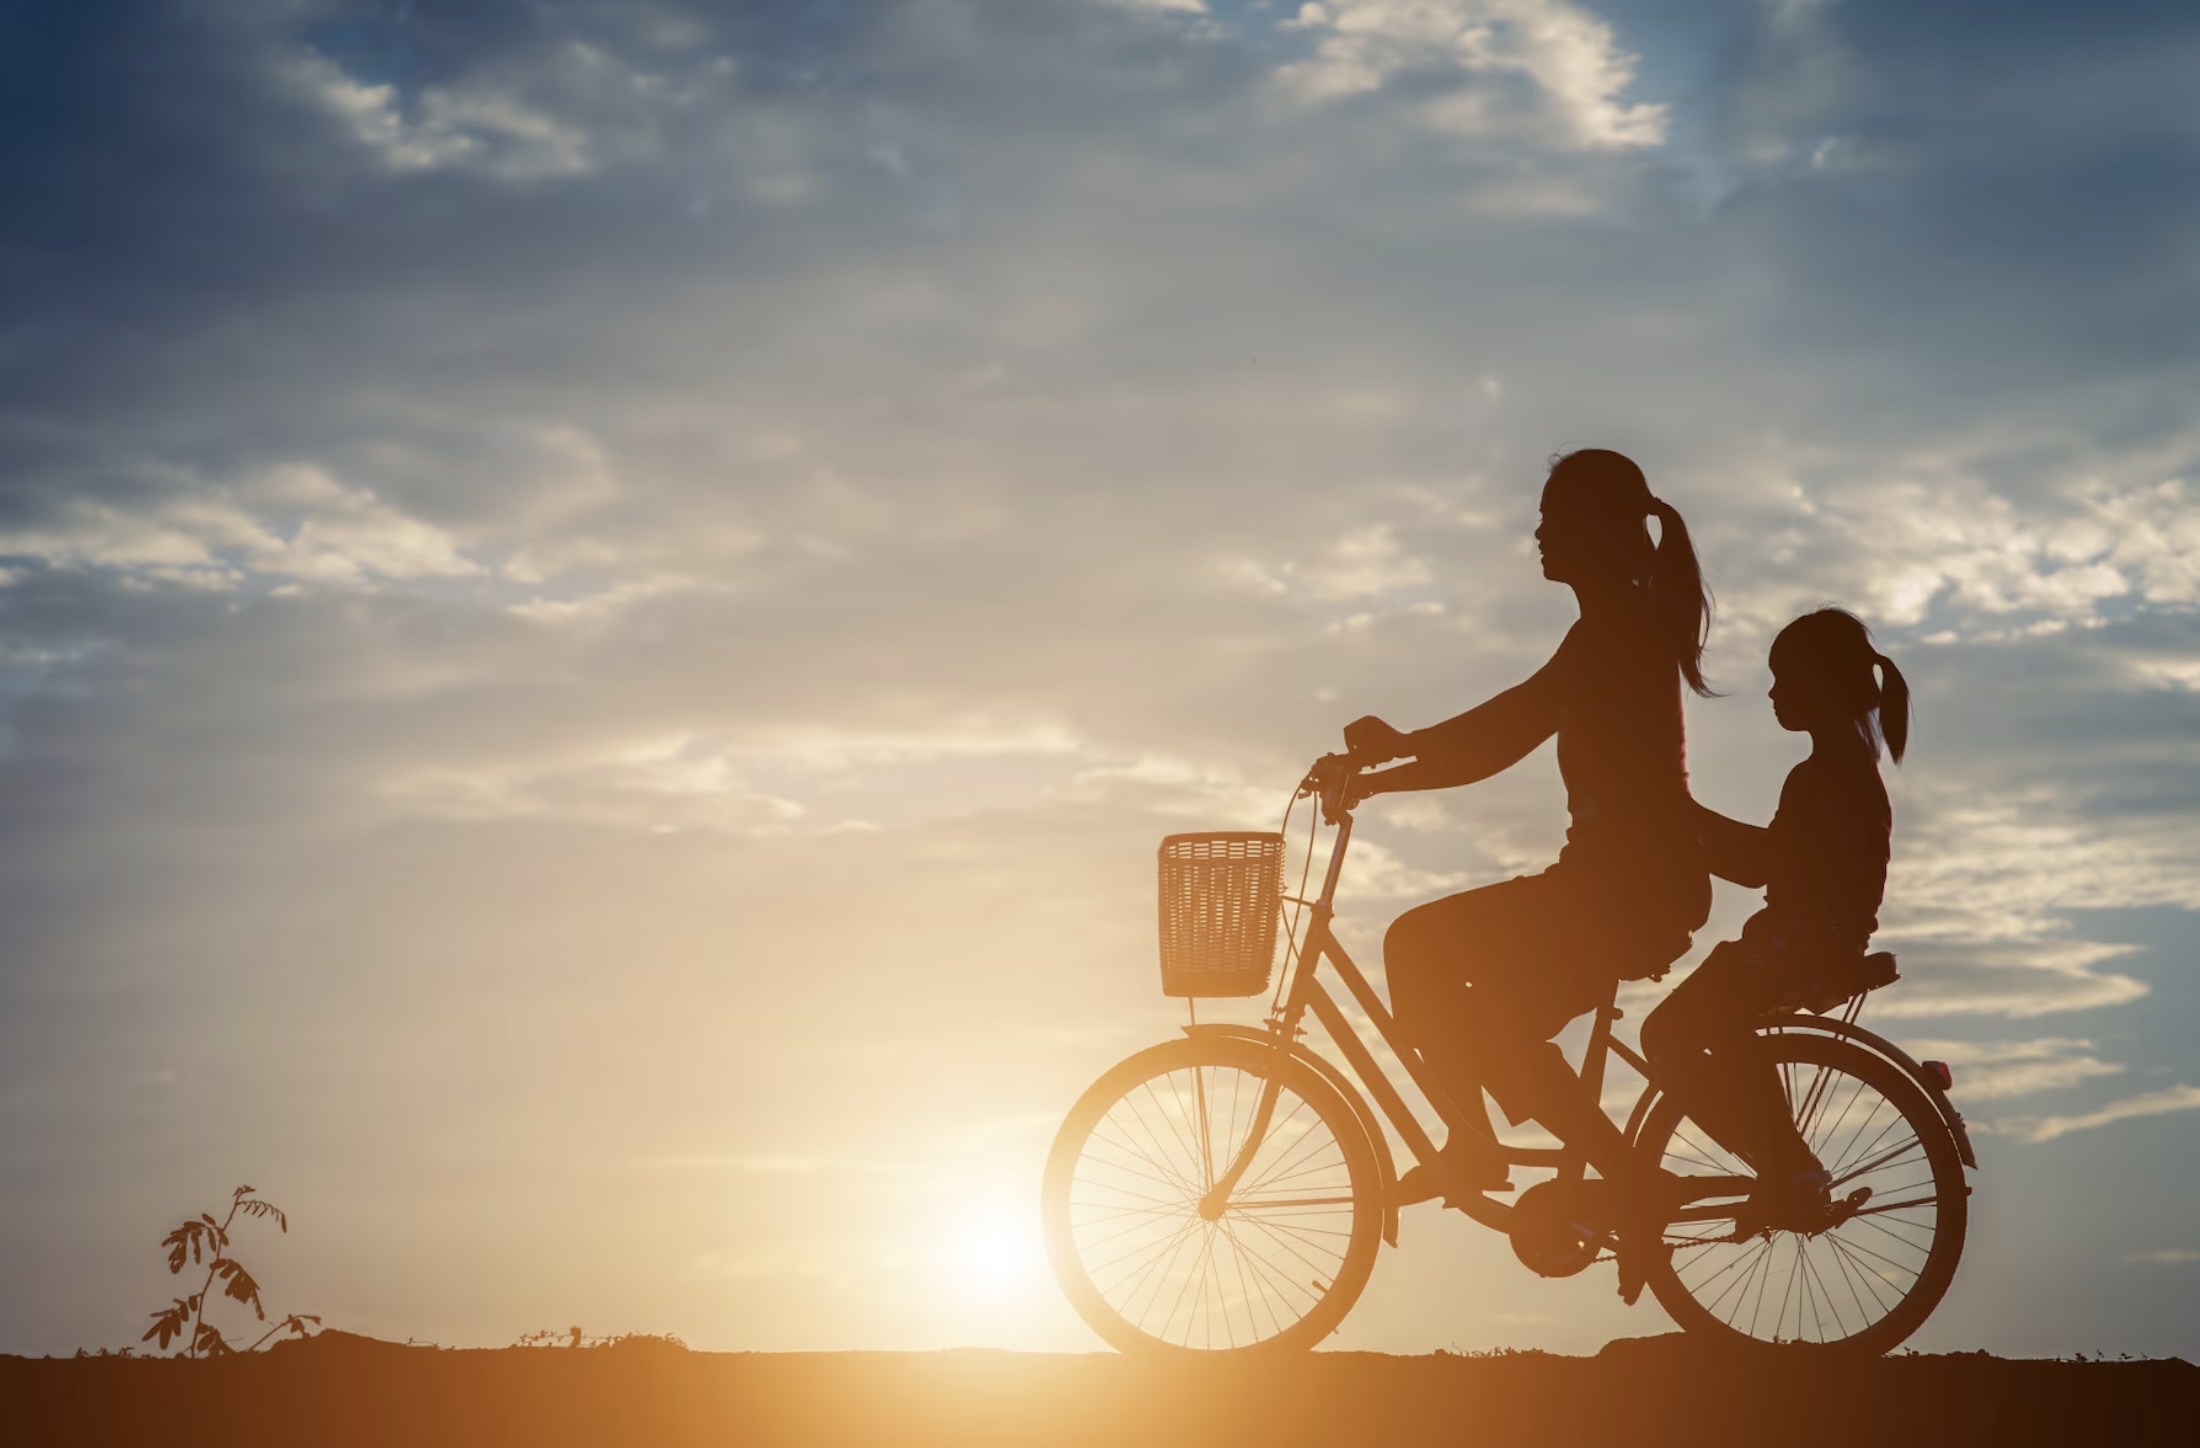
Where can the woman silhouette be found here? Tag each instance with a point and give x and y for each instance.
(1481, 981)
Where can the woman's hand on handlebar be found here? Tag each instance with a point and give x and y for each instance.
(1361, 787)
(1343, 780)
(1370, 741)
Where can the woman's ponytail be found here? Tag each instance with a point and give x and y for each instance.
(1894, 706)
(1611, 486)
(1683, 598)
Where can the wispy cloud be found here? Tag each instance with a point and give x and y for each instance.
(2001, 1070)
(1564, 50)
(499, 499)
(292, 526)
(2152, 1103)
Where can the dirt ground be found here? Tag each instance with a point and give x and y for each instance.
(339, 1390)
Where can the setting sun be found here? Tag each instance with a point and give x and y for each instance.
(997, 1252)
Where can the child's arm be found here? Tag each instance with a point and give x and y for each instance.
(1735, 851)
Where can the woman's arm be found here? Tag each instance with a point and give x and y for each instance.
(1490, 737)
(1735, 851)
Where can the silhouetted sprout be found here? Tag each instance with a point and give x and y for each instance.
(204, 1240)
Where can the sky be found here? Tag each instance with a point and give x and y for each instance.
(602, 604)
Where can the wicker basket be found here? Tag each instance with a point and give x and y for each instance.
(1220, 895)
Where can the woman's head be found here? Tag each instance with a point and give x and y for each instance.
(1597, 508)
(1826, 674)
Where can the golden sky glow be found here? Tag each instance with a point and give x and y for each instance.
(601, 610)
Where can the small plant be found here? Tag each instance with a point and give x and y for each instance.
(202, 1239)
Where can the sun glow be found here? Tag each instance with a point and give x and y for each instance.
(994, 1252)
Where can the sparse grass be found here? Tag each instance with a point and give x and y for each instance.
(574, 1337)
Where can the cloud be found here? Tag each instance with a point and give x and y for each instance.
(2164, 1256)
(2153, 1103)
(292, 526)
(1362, 46)
(662, 785)
(2001, 1070)
(1185, 7)
(709, 541)
(454, 129)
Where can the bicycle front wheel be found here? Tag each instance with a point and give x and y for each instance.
(1146, 1252)
(1863, 1283)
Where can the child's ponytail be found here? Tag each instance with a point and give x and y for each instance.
(1836, 642)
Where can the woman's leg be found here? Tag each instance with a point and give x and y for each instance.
(1428, 955)
(1480, 982)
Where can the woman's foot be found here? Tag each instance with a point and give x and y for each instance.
(1466, 1164)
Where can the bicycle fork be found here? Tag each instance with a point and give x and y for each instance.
(1217, 1198)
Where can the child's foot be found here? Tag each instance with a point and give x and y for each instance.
(1799, 1201)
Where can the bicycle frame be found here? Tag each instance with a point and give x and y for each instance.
(1304, 994)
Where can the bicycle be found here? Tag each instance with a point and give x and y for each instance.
(1227, 1192)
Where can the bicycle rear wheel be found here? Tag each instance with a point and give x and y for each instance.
(1863, 1284)
(1274, 1268)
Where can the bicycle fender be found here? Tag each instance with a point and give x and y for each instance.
(1873, 1041)
(1386, 1167)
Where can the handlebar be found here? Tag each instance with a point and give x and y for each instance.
(1330, 780)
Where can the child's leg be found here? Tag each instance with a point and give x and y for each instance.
(1702, 1043)
(1748, 1067)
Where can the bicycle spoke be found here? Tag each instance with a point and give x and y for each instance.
(1855, 1246)
(1848, 1279)
(1839, 1161)
(1282, 1239)
(1245, 1290)
(1820, 1295)
(1149, 1160)
(1878, 1141)
(1885, 1158)
(1870, 1272)
(1161, 1158)
(1764, 1279)
(1183, 1189)
(1808, 1123)
(1274, 1130)
(1788, 1292)
(1857, 1272)
(1156, 1256)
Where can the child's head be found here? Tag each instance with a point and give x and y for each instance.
(1826, 675)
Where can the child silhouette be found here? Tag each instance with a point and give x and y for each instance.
(1823, 865)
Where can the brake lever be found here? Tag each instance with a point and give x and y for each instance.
(1331, 779)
